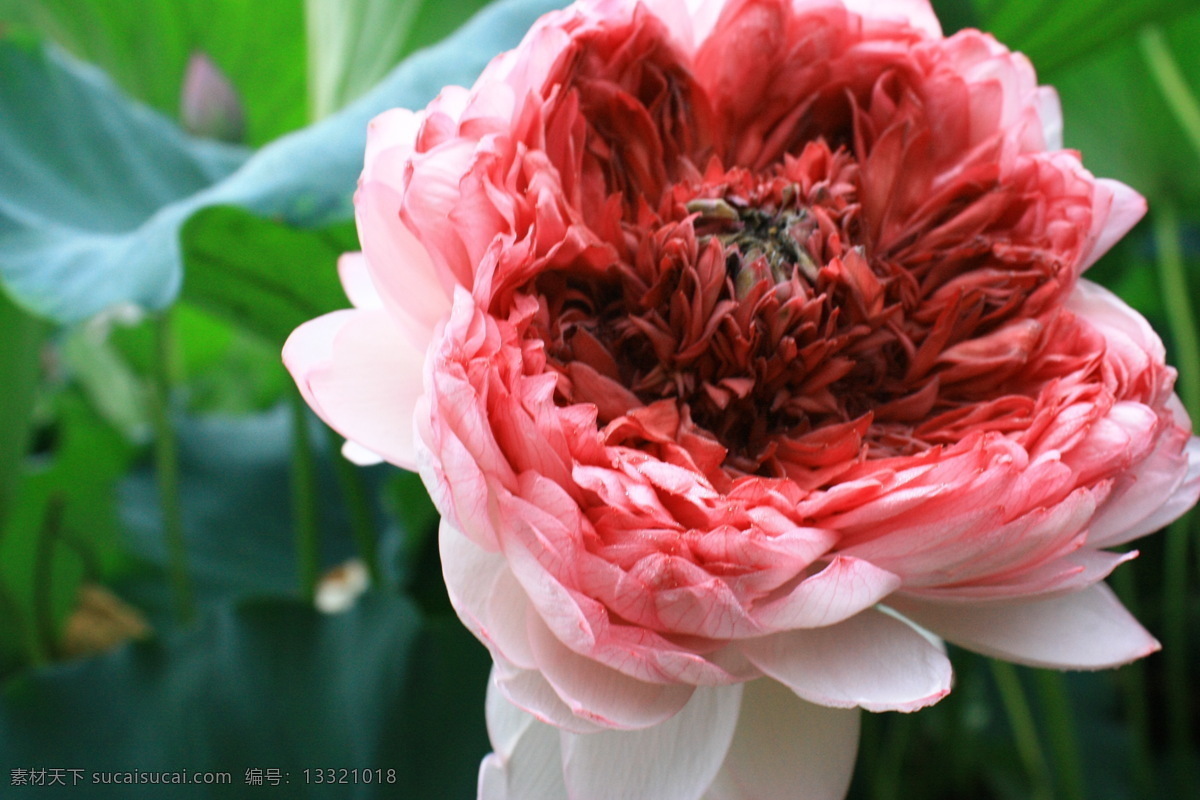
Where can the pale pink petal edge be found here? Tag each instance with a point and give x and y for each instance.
(872, 660)
(1088, 629)
(361, 377)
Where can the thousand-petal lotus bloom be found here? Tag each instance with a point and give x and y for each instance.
(744, 348)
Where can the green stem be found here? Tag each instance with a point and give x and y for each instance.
(1061, 730)
(351, 484)
(1181, 322)
(961, 768)
(87, 556)
(304, 500)
(21, 337)
(1175, 647)
(888, 778)
(166, 470)
(1181, 317)
(43, 576)
(1136, 694)
(14, 617)
(1171, 83)
(1020, 719)
(867, 764)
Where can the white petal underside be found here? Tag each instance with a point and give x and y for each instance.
(787, 749)
(676, 760)
(1088, 629)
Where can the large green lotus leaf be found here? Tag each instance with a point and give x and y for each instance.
(20, 364)
(144, 45)
(344, 46)
(263, 276)
(353, 43)
(84, 168)
(91, 186)
(63, 526)
(222, 366)
(237, 512)
(1056, 35)
(306, 179)
(1116, 115)
(268, 685)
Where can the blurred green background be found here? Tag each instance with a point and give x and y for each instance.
(168, 508)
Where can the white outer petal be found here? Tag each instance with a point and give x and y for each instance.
(1088, 629)
(527, 764)
(529, 690)
(506, 723)
(355, 453)
(486, 596)
(1050, 112)
(360, 375)
(598, 693)
(787, 748)
(676, 760)
(872, 660)
(356, 281)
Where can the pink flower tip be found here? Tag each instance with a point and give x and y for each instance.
(209, 105)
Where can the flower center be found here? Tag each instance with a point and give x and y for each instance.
(749, 324)
(759, 243)
(746, 304)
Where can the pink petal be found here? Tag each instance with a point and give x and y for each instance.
(1121, 325)
(1119, 215)
(486, 596)
(506, 723)
(1059, 576)
(529, 690)
(1089, 629)
(871, 660)
(841, 590)
(1050, 112)
(356, 280)
(598, 693)
(393, 133)
(527, 764)
(676, 760)
(362, 377)
(990, 552)
(401, 270)
(916, 13)
(541, 558)
(431, 196)
(787, 748)
(1165, 486)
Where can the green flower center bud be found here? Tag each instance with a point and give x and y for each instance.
(760, 243)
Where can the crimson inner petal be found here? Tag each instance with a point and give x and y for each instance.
(787, 320)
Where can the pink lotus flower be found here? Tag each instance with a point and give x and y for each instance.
(744, 348)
